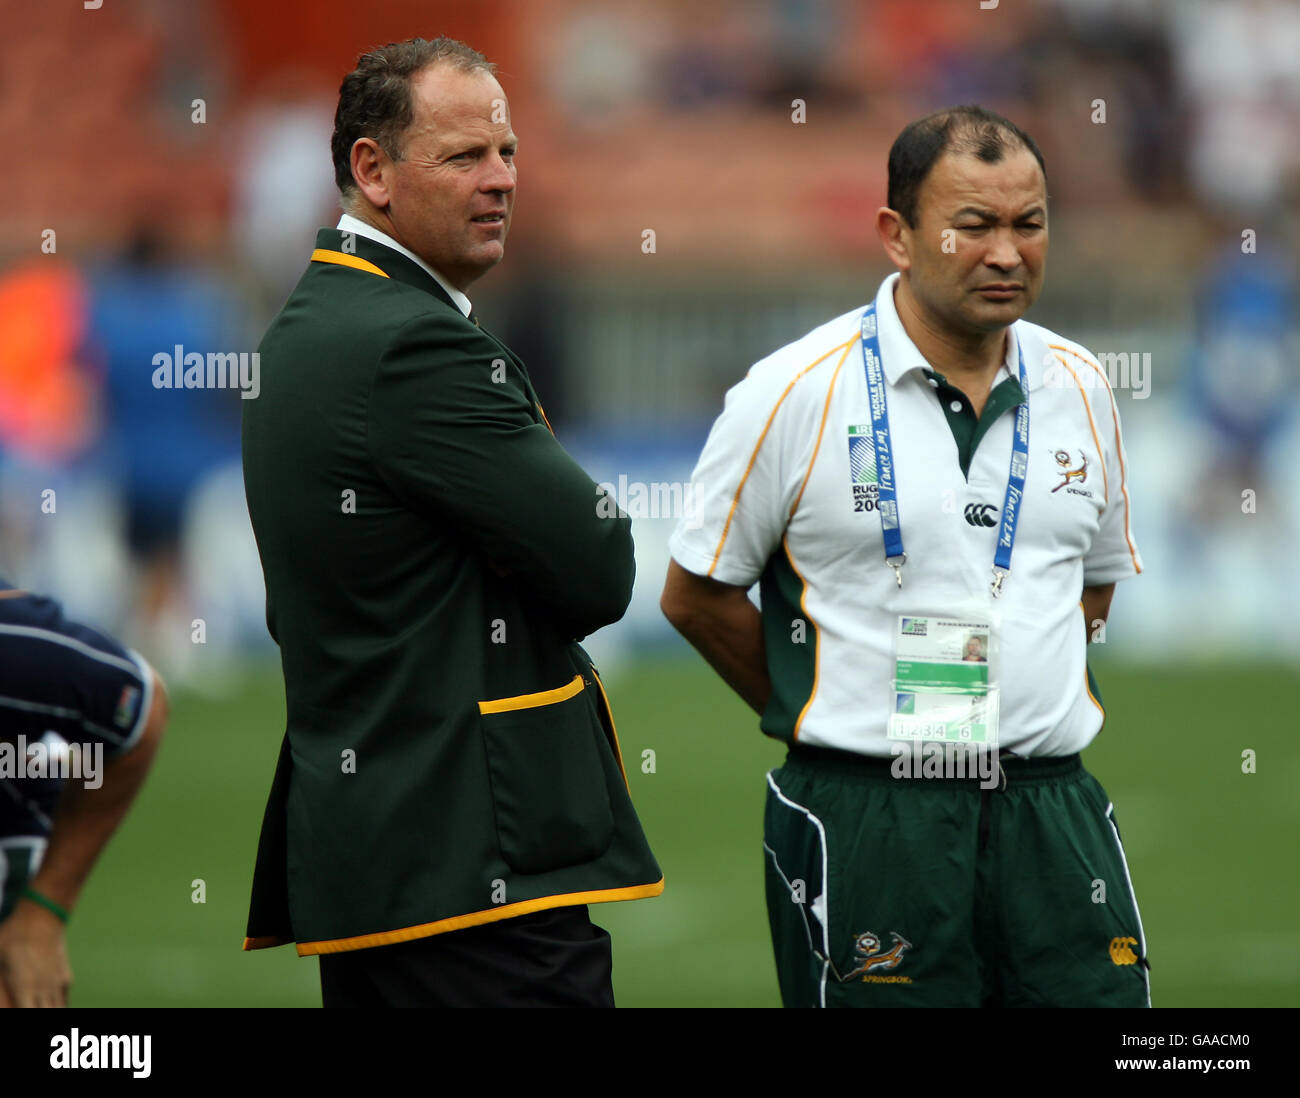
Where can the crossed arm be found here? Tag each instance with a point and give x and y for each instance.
(456, 443)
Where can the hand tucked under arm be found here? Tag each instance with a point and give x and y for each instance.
(724, 626)
(1096, 607)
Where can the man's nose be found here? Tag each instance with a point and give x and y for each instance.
(499, 176)
(1004, 252)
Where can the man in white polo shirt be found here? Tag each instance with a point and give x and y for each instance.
(932, 495)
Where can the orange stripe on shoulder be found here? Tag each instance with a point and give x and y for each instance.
(1119, 446)
(1092, 424)
(830, 389)
(344, 259)
(759, 445)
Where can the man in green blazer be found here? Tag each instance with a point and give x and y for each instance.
(450, 794)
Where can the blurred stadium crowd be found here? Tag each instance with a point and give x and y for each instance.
(177, 165)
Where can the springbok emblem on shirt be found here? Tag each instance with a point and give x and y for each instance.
(1063, 462)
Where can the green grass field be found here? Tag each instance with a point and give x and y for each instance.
(1213, 851)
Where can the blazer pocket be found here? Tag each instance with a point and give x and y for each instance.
(549, 790)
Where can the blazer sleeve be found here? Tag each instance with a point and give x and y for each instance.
(453, 434)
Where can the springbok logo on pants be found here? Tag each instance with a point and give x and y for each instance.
(870, 959)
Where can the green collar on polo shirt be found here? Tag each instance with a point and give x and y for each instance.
(967, 430)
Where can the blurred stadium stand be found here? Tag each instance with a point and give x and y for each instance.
(669, 116)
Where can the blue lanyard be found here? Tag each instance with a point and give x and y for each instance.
(888, 499)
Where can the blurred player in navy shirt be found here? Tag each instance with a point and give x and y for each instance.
(80, 720)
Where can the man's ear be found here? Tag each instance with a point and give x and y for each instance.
(895, 237)
(370, 165)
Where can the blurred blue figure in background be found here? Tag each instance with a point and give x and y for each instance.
(159, 443)
(1242, 375)
(1229, 461)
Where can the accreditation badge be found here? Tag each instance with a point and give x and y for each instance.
(945, 679)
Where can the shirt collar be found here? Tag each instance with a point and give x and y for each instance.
(349, 224)
(900, 356)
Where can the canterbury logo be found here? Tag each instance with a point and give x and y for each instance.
(1120, 953)
(981, 514)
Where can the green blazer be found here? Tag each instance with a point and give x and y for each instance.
(432, 557)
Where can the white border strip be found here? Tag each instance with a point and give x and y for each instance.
(68, 642)
(821, 831)
(146, 703)
(114, 739)
(1142, 938)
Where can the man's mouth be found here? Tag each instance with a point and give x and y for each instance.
(999, 291)
(490, 219)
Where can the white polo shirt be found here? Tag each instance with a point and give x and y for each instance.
(775, 504)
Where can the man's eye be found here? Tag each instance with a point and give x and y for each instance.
(972, 228)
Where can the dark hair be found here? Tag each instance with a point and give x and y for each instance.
(970, 131)
(375, 97)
